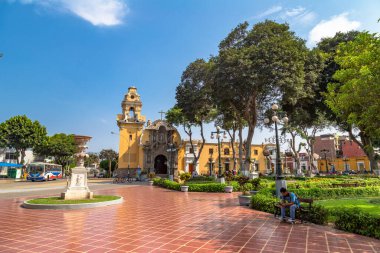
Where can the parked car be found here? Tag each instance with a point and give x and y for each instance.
(101, 175)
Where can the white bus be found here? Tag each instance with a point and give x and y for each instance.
(43, 171)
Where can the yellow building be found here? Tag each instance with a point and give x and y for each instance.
(157, 146)
(358, 164)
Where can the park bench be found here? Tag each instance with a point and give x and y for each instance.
(303, 211)
(346, 185)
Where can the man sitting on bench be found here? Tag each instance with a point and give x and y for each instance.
(288, 200)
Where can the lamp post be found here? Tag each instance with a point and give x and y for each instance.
(345, 160)
(218, 132)
(325, 151)
(280, 182)
(171, 149)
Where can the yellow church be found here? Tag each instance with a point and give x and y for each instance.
(156, 146)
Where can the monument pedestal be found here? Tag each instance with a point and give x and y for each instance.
(253, 175)
(77, 188)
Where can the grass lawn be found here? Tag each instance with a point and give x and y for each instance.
(58, 200)
(370, 205)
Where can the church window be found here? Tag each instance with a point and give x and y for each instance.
(211, 151)
(226, 151)
(256, 152)
(131, 113)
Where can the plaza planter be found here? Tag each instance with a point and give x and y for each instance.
(150, 183)
(184, 188)
(253, 192)
(244, 200)
(228, 189)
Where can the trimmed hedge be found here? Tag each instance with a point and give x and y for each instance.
(193, 187)
(202, 178)
(357, 221)
(167, 184)
(332, 193)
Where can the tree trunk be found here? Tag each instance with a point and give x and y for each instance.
(109, 167)
(241, 164)
(247, 163)
(22, 152)
(232, 141)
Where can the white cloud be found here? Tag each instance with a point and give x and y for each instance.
(270, 11)
(306, 17)
(299, 15)
(97, 12)
(328, 28)
(294, 12)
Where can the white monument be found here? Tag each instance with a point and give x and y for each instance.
(77, 185)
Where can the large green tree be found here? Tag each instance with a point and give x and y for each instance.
(61, 146)
(256, 68)
(194, 105)
(111, 156)
(21, 133)
(355, 97)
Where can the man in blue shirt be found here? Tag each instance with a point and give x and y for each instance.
(288, 200)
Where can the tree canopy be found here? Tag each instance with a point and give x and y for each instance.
(21, 133)
(61, 146)
(355, 97)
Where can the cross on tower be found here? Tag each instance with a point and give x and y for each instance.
(161, 112)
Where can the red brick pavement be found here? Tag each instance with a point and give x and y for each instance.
(152, 219)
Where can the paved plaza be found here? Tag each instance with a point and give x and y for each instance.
(153, 219)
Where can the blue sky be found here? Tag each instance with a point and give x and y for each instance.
(68, 63)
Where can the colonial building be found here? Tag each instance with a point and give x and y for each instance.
(339, 153)
(158, 147)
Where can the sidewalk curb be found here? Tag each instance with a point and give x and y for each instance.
(70, 206)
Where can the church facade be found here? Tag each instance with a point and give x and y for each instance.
(156, 146)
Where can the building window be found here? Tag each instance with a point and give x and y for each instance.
(226, 151)
(148, 157)
(227, 166)
(211, 151)
(256, 152)
(191, 150)
(10, 156)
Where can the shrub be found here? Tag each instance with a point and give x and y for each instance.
(318, 214)
(209, 187)
(357, 221)
(185, 176)
(256, 184)
(229, 177)
(263, 202)
(151, 175)
(244, 187)
(167, 184)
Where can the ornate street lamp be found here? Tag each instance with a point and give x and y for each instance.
(280, 182)
(171, 149)
(218, 133)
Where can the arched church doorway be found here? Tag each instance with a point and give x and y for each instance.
(160, 164)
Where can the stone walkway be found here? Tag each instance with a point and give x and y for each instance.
(153, 219)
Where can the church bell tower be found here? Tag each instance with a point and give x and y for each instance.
(130, 124)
